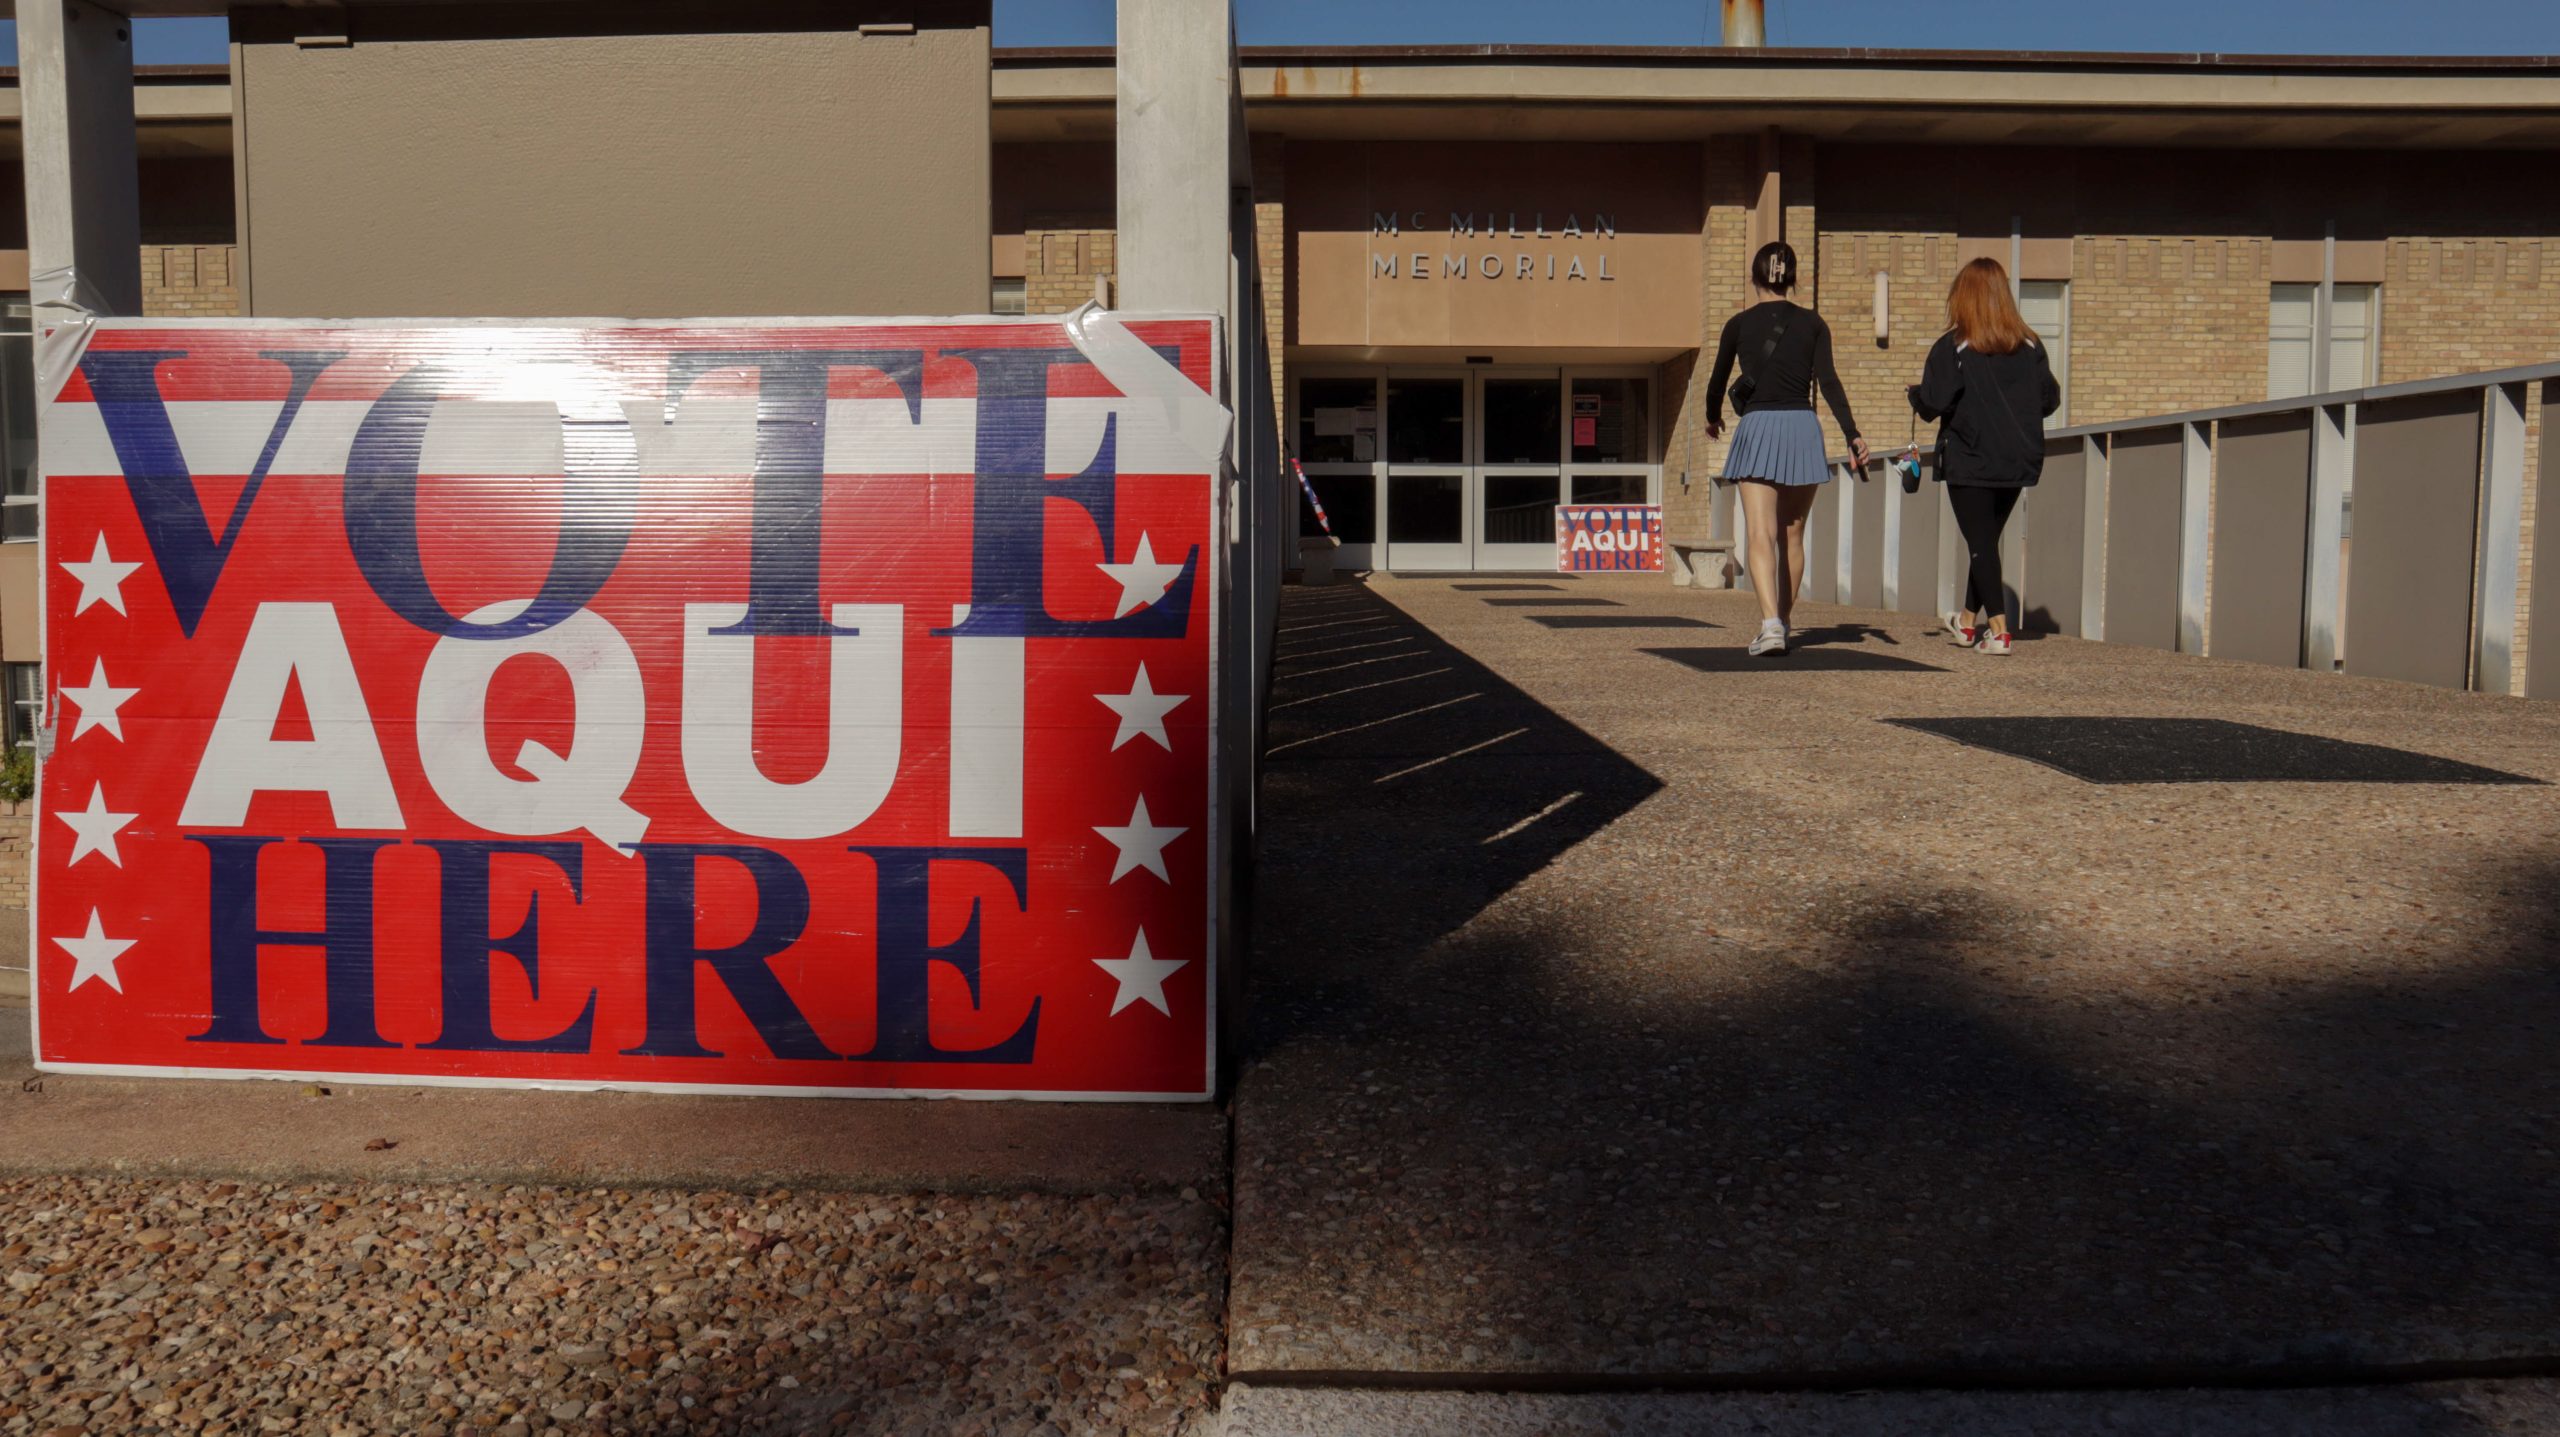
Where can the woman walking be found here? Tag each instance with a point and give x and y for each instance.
(1776, 463)
(1989, 385)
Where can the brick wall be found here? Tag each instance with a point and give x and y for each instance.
(1061, 255)
(1919, 267)
(182, 281)
(2165, 323)
(1271, 254)
(15, 846)
(1723, 284)
(2459, 305)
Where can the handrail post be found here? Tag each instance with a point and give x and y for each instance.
(2195, 536)
(1889, 587)
(2093, 537)
(2501, 540)
(2323, 596)
(1847, 556)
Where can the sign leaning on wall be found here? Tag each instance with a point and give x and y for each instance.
(1608, 538)
(821, 707)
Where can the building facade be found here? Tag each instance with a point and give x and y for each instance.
(1496, 275)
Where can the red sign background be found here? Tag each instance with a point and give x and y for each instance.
(1057, 940)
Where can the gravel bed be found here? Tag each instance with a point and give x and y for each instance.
(220, 1308)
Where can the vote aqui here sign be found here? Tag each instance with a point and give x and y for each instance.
(815, 706)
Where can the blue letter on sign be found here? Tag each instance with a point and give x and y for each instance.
(782, 915)
(1007, 598)
(907, 954)
(791, 456)
(127, 386)
(468, 943)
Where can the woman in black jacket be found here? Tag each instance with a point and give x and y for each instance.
(1989, 385)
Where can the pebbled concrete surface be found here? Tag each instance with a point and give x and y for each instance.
(1616, 1012)
(2478, 1409)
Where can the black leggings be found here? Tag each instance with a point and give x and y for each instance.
(1982, 511)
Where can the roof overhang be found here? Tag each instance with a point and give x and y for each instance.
(179, 111)
(1932, 97)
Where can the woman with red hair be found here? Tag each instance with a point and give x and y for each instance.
(1989, 385)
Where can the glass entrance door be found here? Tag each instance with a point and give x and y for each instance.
(1519, 468)
(1429, 424)
(1444, 470)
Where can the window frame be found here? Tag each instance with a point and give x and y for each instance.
(2057, 347)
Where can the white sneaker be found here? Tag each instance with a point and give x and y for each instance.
(1772, 642)
(1996, 645)
(1960, 633)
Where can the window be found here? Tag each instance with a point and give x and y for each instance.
(18, 414)
(26, 703)
(1008, 297)
(2353, 308)
(2293, 328)
(1609, 422)
(2046, 304)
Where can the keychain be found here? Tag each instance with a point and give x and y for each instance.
(1907, 463)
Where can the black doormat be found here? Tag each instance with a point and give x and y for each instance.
(1617, 621)
(2195, 750)
(1501, 588)
(1558, 602)
(1814, 660)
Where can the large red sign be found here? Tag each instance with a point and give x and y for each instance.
(813, 707)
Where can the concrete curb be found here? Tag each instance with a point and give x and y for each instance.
(2492, 1409)
(274, 1131)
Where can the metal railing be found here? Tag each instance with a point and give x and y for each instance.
(2230, 532)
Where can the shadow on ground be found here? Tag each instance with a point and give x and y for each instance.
(1482, 1134)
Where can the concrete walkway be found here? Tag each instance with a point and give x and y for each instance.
(1624, 1007)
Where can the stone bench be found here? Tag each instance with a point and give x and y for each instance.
(1701, 563)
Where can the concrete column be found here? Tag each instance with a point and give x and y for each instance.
(1768, 203)
(75, 76)
(1176, 153)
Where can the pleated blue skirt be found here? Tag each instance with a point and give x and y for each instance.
(1781, 446)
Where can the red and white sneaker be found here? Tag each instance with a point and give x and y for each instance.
(1960, 633)
(1993, 644)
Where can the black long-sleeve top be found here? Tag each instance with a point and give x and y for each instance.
(1785, 379)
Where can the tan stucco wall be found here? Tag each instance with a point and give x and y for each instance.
(1340, 296)
(809, 172)
(20, 643)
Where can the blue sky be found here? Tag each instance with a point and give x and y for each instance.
(2380, 27)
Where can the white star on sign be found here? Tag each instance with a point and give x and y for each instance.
(1141, 976)
(96, 827)
(1141, 844)
(1142, 580)
(101, 578)
(98, 703)
(1142, 711)
(96, 955)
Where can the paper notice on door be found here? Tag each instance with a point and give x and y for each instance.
(1586, 431)
(1334, 423)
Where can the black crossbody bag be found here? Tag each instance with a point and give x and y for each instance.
(1745, 384)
